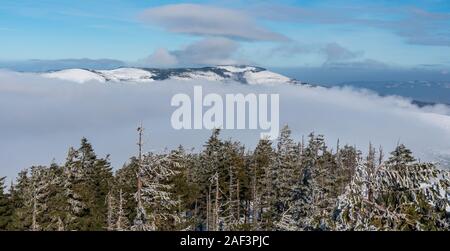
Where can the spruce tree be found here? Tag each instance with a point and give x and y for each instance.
(21, 197)
(39, 195)
(295, 186)
(122, 222)
(285, 175)
(263, 194)
(99, 181)
(211, 172)
(185, 189)
(125, 181)
(305, 189)
(287, 168)
(56, 204)
(401, 194)
(5, 207)
(73, 186)
(159, 202)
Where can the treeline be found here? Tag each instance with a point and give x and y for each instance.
(282, 185)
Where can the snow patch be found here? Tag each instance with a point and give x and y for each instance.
(127, 75)
(199, 75)
(236, 69)
(265, 77)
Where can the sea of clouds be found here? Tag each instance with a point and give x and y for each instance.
(41, 118)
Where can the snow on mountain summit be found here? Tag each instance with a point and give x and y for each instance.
(126, 74)
(226, 73)
(75, 75)
(234, 68)
(265, 77)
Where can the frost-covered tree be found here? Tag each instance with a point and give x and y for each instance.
(401, 194)
(38, 194)
(116, 218)
(86, 181)
(295, 186)
(285, 174)
(73, 178)
(56, 204)
(185, 189)
(111, 211)
(122, 222)
(125, 180)
(353, 211)
(212, 171)
(306, 190)
(159, 204)
(262, 164)
(233, 188)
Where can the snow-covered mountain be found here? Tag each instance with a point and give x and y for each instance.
(243, 74)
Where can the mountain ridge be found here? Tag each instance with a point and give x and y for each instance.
(243, 74)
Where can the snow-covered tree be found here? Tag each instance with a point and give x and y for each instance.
(158, 203)
(39, 194)
(121, 223)
(295, 186)
(212, 171)
(111, 211)
(262, 164)
(125, 180)
(285, 173)
(73, 177)
(401, 194)
(306, 190)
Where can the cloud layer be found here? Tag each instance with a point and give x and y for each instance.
(41, 118)
(415, 25)
(203, 20)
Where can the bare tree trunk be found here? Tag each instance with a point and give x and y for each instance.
(60, 224)
(268, 197)
(110, 212)
(121, 214)
(195, 214)
(230, 195)
(216, 207)
(255, 200)
(381, 156)
(238, 202)
(34, 226)
(139, 181)
(246, 211)
(208, 209)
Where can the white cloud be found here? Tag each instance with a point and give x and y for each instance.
(332, 52)
(160, 58)
(336, 52)
(208, 51)
(203, 20)
(415, 25)
(41, 118)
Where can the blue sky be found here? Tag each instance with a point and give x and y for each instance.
(402, 34)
